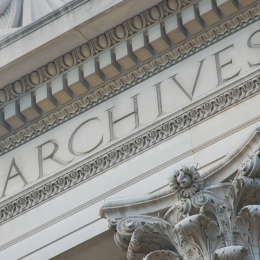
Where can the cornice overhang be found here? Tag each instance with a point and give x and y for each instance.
(117, 85)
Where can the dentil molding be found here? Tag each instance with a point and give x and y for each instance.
(129, 80)
(90, 49)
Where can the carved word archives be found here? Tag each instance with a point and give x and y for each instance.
(168, 91)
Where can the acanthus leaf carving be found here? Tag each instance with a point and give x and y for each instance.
(244, 191)
(199, 237)
(231, 253)
(247, 230)
(149, 237)
(205, 226)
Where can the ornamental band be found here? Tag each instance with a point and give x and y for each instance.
(129, 130)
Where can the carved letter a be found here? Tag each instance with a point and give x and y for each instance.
(19, 173)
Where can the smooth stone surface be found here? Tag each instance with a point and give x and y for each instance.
(60, 90)
(76, 82)
(175, 30)
(108, 64)
(13, 115)
(92, 73)
(158, 39)
(227, 7)
(29, 108)
(245, 3)
(191, 20)
(4, 127)
(141, 47)
(44, 99)
(125, 56)
(209, 12)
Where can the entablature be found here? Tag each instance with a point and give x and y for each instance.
(48, 186)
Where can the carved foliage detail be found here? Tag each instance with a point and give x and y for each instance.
(199, 237)
(224, 229)
(247, 232)
(231, 253)
(244, 191)
(149, 237)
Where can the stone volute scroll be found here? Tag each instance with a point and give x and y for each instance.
(194, 217)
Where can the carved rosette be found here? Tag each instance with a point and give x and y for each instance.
(186, 181)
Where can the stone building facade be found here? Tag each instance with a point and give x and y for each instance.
(129, 129)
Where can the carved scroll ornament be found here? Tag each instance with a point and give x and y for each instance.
(202, 224)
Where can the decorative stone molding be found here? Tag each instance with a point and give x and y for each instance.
(131, 148)
(75, 59)
(129, 80)
(215, 228)
(91, 48)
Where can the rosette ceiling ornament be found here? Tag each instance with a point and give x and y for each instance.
(193, 219)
